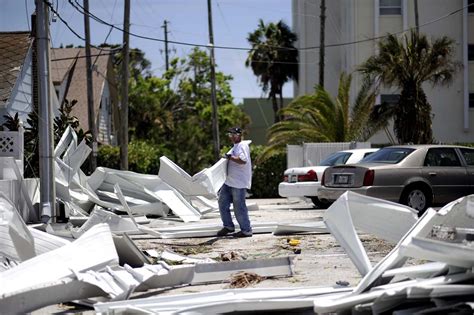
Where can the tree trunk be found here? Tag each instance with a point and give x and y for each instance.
(275, 108)
(417, 21)
(322, 28)
(412, 123)
(281, 103)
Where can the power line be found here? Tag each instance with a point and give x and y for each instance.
(79, 8)
(84, 56)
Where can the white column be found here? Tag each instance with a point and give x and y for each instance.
(376, 17)
(376, 34)
(405, 14)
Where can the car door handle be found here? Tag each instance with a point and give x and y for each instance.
(432, 173)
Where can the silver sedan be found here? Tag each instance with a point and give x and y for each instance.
(414, 175)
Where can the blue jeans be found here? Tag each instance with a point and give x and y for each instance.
(228, 195)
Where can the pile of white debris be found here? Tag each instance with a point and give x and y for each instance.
(93, 260)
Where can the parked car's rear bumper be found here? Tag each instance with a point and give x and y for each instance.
(302, 189)
(390, 193)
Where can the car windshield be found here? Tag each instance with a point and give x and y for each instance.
(388, 155)
(336, 159)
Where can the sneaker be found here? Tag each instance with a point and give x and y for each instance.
(224, 231)
(242, 234)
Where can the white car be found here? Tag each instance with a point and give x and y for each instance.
(305, 181)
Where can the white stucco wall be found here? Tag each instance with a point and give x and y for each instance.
(359, 21)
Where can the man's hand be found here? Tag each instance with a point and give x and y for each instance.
(227, 156)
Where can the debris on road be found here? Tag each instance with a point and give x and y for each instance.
(244, 279)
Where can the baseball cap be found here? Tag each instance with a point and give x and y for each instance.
(235, 130)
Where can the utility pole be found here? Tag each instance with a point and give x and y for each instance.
(125, 75)
(215, 122)
(417, 22)
(322, 42)
(165, 26)
(46, 142)
(90, 92)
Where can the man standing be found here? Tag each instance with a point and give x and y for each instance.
(238, 180)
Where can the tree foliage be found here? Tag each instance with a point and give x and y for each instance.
(273, 59)
(407, 63)
(319, 117)
(31, 136)
(175, 110)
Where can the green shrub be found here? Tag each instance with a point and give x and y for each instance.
(108, 156)
(267, 174)
(143, 157)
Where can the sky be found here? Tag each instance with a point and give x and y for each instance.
(188, 22)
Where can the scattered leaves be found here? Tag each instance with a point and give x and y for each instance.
(243, 279)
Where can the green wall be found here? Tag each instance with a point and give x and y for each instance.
(261, 115)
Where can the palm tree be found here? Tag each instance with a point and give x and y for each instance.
(408, 63)
(273, 59)
(320, 118)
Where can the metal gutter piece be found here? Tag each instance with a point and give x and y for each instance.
(418, 271)
(450, 246)
(205, 183)
(214, 206)
(208, 230)
(215, 302)
(304, 227)
(394, 292)
(68, 137)
(460, 255)
(353, 211)
(394, 259)
(10, 163)
(339, 222)
(116, 223)
(128, 252)
(141, 228)
(145, 187)
(94, 250)
(271, 267)
(16, 240)
(179, 205)
(168, 255)
(48, 293)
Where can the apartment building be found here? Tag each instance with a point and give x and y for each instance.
(352, 27)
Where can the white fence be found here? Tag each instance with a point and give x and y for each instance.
(310, 154)
(12, 145)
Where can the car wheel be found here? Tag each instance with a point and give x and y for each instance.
(320, 204)
(417, 198)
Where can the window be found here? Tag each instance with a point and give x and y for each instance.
(470, 8)
(389, 99)
(390, 155)
(390, 7)
(441, 157)
(367, 154)
(468, 155)
(470, 52)
(336, 159)
(471, 100)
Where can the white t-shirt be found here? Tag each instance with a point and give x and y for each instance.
(240, 175)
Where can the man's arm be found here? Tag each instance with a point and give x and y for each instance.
(236, 159)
